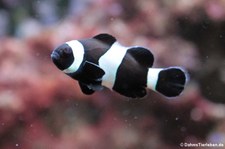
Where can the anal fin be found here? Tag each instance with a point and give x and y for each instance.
(136, 92)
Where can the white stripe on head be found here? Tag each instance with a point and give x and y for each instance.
(78, 54)
(110, 62)
(152, 78)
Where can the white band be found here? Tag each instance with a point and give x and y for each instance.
(152, 79)
(78, 54)
(110, 63)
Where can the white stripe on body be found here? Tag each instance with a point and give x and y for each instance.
(152, 78)
(78, 53)
(110, 63)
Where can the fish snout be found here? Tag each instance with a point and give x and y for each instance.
(56, 60)
(62, 56)
(55, 56)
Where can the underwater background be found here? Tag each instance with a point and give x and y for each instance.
(41, 108)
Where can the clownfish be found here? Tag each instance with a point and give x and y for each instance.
(101, 61)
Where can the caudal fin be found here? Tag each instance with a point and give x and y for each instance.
(168, 81)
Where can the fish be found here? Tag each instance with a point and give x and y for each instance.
(102, 62)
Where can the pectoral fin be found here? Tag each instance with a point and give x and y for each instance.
(92, 71)
(85, 89)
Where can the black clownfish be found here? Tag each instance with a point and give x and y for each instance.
(101, 61)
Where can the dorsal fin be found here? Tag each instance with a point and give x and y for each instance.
(105, 38)
(142, 55)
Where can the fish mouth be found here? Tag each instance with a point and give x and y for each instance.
(56, 59)
(55, 56)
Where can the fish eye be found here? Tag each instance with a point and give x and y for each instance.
(65, 52)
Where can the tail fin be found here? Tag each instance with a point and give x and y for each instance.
(168, 81)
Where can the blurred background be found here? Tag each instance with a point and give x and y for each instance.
(41, 108)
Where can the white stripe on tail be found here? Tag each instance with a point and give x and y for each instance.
(152, 78)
